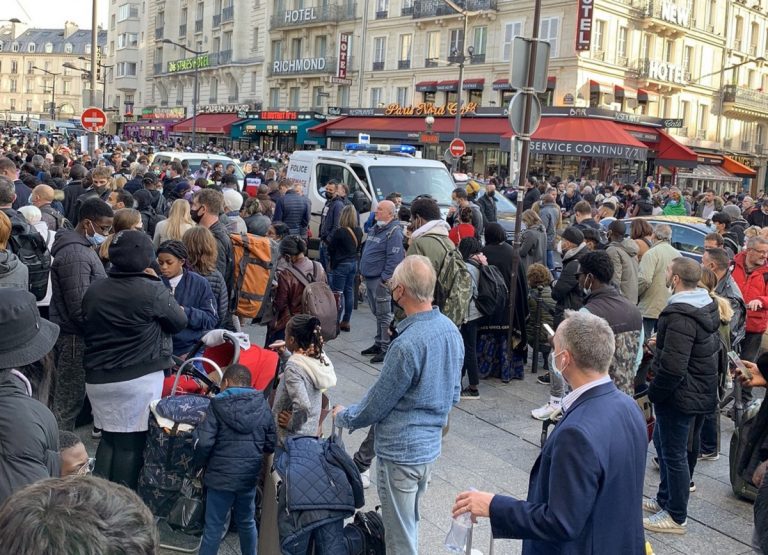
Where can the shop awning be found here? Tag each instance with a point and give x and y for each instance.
(448, 86)
(215, 124)
(273, 127)
(643, 96)
(598, 87)
(737, 168)
(473, 84)
(710, 173)
(667, 151)
(348, 126)
(504, 85)
(426, 86)
(624, 92)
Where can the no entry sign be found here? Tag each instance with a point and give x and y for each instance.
(93, 119)
(457, 148)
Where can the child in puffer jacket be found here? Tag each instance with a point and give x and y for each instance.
(231, 442)
(308, 374)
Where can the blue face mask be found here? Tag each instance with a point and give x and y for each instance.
(97, 239)
(381, 224)
(553, 365)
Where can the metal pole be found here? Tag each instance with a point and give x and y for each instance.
(459, 103)
(524, 160)
(53, 98)
(361, 71)
(94, 48)
(537, 327)
(194, 107)
(104, 88)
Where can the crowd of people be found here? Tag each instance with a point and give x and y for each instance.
(110, 268)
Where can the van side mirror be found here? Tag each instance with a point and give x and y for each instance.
(361, 202)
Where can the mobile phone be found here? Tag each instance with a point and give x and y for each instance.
(736, 362)
(549, 330)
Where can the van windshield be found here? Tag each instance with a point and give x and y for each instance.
(411, 182)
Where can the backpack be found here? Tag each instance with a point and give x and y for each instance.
(453, 289)
(61, 221)
(31, 248)
(492, 292)
(255, 262)
(319, 301)
(152, 219)
(365, 534)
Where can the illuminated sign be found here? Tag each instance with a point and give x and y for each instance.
(223, 108)
(425, 109)
(584, 24)
(189, 64)
(279, 115)
(160, 112)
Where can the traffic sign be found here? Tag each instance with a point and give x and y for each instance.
(521, 55)
(93, 119)
(457, 148)
(517, 111)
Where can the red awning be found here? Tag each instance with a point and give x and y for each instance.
(670, 152)
(426, 86)
(597, 87)
(551, 82)
(579, 130)
(492, 126)
(217, 124)
(504, 85)
(450, 86)
(473, 84)
(644, 96)
(737, 168)
(624, 92)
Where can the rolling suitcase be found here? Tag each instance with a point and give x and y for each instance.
(743, 452)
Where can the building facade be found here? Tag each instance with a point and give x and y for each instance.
(34, 84)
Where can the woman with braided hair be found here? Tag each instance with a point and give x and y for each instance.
(191, 291)
(308, 374)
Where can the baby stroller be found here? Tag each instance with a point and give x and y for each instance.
(168, 454)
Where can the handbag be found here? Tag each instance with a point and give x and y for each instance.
(188, 513)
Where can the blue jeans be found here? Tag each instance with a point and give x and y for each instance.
(400, 489)
(323, 256)
(327, 539)
(343, 281)
(710, 433)
(380, 303)
(550, 259)
(670, 437)
(217, 505)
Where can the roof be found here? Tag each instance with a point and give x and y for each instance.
(40, 37)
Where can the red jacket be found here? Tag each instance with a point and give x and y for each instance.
(753, 286)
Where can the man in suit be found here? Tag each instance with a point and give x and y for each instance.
(586, 487)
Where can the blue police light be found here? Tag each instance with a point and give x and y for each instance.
(362, 147)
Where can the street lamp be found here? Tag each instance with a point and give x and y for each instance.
(53, 90)
(195, 86)
(12, 20)
(465, 14)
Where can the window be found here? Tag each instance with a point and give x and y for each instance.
(67, 87)
(402, 96)
(274, 97)
(13, 85)
(456, 42)
(126, 69)
(550, 31)
(13, 104)
(326, 172)
(29, 105)
(296, 49)
(127, 40)
(405, 47)
(688, 59)
(48, 47)
(376, 96)
(30, 68)
(255, 44)
(511, 30)
(703, 117)
(87, 49)
(294, 94)
(68, 48)
(214, 90)
(685, 111)
(321, 46)
(277, 50)
(669, 50)
(598, 36)
(433, 45)
(480, 40)
(1, 44)
(112, 23)
(382, 6)
(379, 49)
(317, 96)
(686, 240)
(645, 46)
(199, 11)
(342, 97)
(14, 66)
(15, 47)
(30, 88)
(127, 10)
(621, 49)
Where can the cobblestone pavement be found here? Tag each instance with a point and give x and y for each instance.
(492, 445)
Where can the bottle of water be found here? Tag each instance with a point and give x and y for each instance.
(456, 540)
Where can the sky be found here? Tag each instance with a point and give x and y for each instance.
(51, 14)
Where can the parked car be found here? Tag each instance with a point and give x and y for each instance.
(688, 232)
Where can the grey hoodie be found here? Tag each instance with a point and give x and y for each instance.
(625, 267)
(13, 273)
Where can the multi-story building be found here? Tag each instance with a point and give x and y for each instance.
(34, 82)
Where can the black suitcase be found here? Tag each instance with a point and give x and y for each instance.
(742, 453)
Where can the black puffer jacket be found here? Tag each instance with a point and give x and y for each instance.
(219, 288)
(687, 346)
(128, 323)
(232, 440)
(566, 291)
(75, 267)
(29, 438)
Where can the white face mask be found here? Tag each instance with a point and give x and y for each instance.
(558, 372)
(559, 247)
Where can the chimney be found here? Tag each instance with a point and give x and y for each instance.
(69, 29)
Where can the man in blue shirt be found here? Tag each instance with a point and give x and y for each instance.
(409, 403)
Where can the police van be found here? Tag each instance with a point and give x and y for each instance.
(370, 172)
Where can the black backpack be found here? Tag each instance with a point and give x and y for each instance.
(365, 534)
(150, 219)
(26, 243)
(492, 292)
(61, 221)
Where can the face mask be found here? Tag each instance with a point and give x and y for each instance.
(558, 372)
(670, 287)
(195, 215)
(381, 224)
(96, 239)
(587, 290)
(491, 193)
(559, 247)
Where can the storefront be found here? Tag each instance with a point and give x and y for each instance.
(276, 130)
(213, 124)
(155, 124)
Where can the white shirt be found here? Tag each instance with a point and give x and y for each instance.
(570, 399)
(174, 282)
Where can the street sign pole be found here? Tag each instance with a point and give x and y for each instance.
(94, 50)
(525, 138)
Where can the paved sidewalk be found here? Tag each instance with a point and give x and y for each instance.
(492, 445)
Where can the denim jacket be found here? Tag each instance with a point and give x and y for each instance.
(419, 383)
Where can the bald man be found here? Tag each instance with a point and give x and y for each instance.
(42, 197)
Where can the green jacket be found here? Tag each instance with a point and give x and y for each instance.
(651, 279)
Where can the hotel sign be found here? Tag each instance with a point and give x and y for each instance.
(302, 65)
(673, 13)
(425, 109)
(584, 24)
(341, 71)
(302, 15)
(199, 62)
(666, 72)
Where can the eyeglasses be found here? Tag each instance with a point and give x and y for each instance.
(87, 467)
(104, 229)
(761, 253)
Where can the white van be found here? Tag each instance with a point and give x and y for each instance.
(371, 172)
(195, 160)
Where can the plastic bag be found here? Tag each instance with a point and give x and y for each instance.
(188, 513)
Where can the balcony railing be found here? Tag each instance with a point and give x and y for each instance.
(477, 59)
(406, 10)
(745, 145)
(701, 134)
(217, 20)
(228, 13)
(199, 26)
(745, 98)
(224, 57)
(727, 142)
(430, 62)
(758, 149)
(382, 15)
(213, 99)
(163, 103)
(657, 70)
(378, 66)
(182, 30)
(404, 64)
(232, 99)
(159, 32)
(158, 68)
(313, 15)
(302, 66)
(436, 8)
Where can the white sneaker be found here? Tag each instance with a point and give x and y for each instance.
(365, 477)
(542, 413)
(662, 522)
